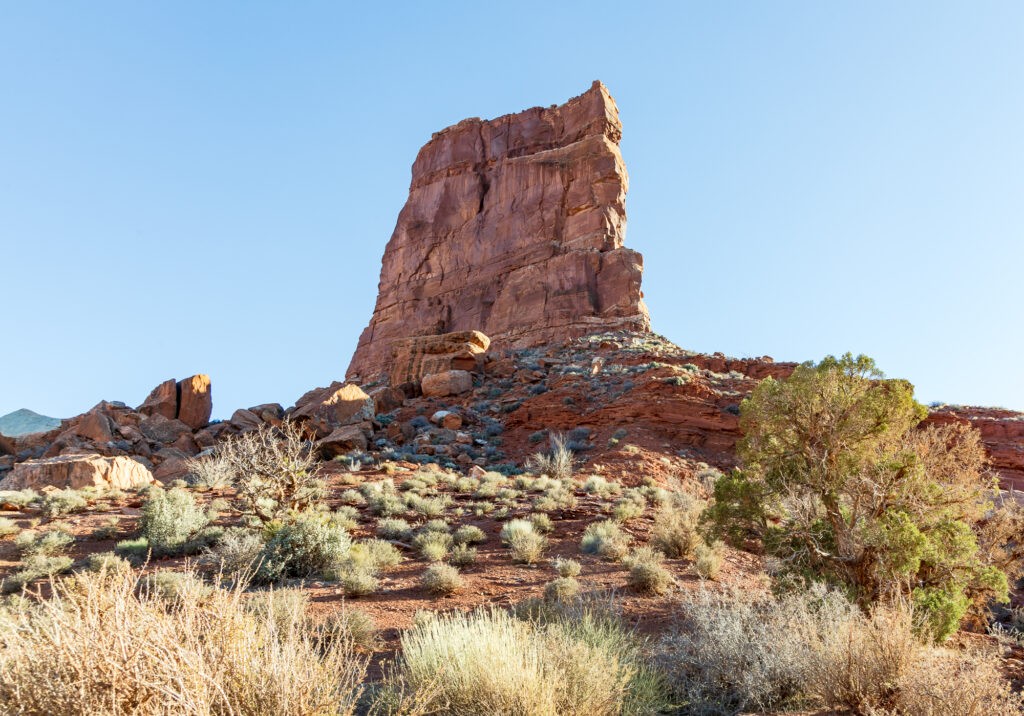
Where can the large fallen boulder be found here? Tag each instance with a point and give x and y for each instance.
(413, 358)
(78, 471)
(449, 382)
(338, 404)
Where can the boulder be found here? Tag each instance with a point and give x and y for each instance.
(344, 439)
(96, 426)
(163, 400)
(268, 411)
(160, 429)
(195, 401)
(386, 398)
(452, 421)
(245, 420)
(189, 400)
(450, 382)
(413, 358)
(336, 405)
(78, 471)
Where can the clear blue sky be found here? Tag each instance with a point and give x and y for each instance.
(208, 186)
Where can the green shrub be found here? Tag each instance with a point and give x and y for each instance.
(675, 527)
(30, 543)
(394, 528)
(306, 547)
(237, 554)
(133, 548)
(542, 523)
(647, 575)
(441, 578)
(353, 626)
(469, 534)
(8, 527)
(488, 662)
(108, 530)
(63, 502)
(359, 581)
(605, 539)
(567, 567)
(515, 527)
(558, 463)
(374, 554)
(626, 509)
(34, 567)
(169, 519)
(108, 562)
(177, 586)
(19, 498)
(709, 559)
(884, 507)
(561, 589)
(527, 547)
(462, 555)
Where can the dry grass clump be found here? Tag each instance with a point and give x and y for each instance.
(169, 518)
(709, 559)
(394, 528)
(63, 502)
(469, 534)
(605, 539)
(561, 589)
(488, 662)
(567, 567)
(8, 527)
(647, 575)
(731, 655)
(815, 650)
(527, 547)
(104, 646)
(946, 683)
(558, 463)
(441, 578)
(462, 555)
(675, 526)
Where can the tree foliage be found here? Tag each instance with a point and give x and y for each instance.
(840, 482)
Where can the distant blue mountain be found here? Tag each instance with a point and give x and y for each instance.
(26, 422)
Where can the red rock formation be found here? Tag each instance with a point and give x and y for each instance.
(513, 227)
(413, 358)
(1002, 433)
(189, 400)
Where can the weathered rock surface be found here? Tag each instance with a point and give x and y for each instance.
(77, 471)
(323, 409)
(450, 382)
(195, 401)
(413, 358)
(345, 438)
(513, 227)
(189, 400)
(1002, 433)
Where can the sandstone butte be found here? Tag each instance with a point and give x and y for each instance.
(514, 227)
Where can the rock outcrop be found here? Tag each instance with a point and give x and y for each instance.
(189, 400)
(76, 472)
(414, 358)
(513, 227)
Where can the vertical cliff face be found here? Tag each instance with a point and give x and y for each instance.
(514, 227)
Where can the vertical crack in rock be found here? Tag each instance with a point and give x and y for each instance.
(513, 227)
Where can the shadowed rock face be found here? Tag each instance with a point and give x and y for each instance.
(513, 227)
